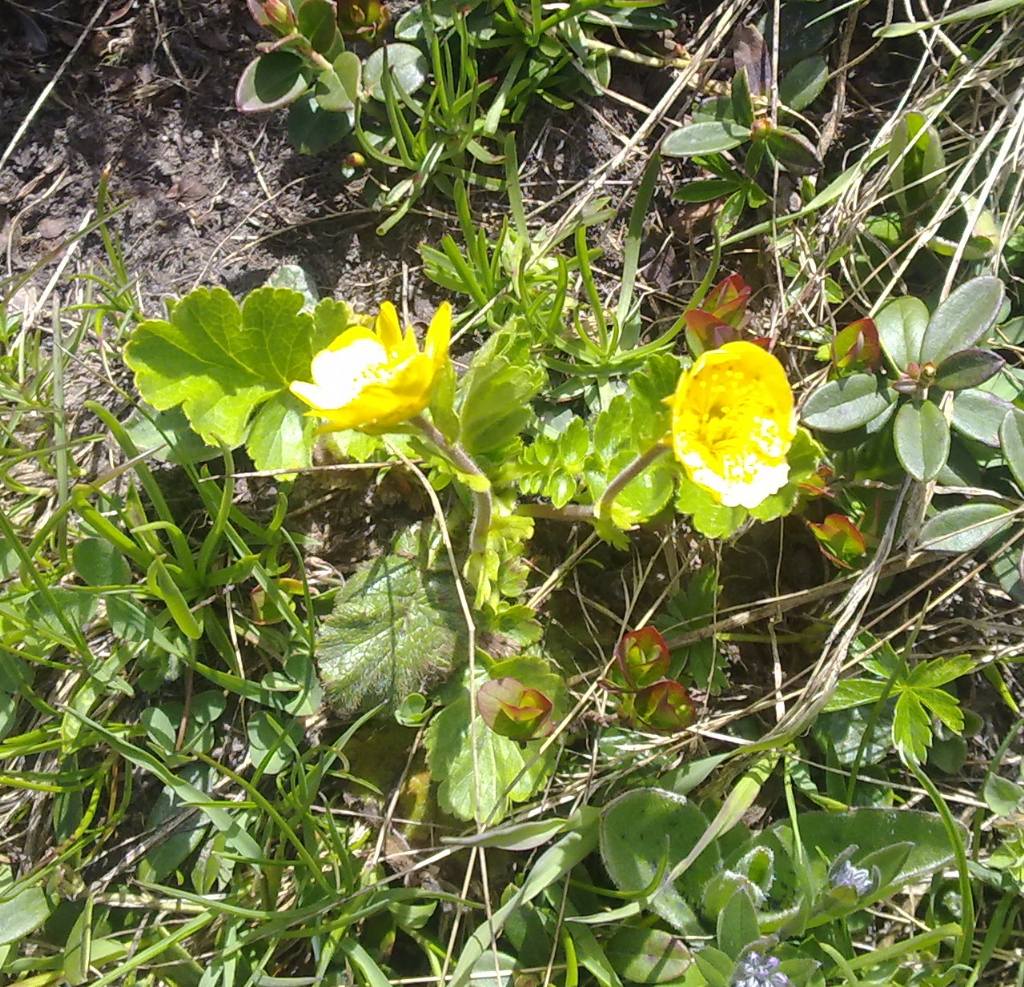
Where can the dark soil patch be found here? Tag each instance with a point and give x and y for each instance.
(208, 196)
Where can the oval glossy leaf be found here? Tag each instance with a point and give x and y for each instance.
(270, 82)
(1011, 438)
(978, 415)
(842, 405)
(968, 368)
(338, 89)
(406, 63)
(318, 23)
(793, 151)
(962, 319)
(964, 528)
(704, 137)
(648, 956)
(921, 436)
(803, 83)
(901, 326)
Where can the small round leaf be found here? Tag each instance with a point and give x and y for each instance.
(318, 22)
(846, 404)
(406, 63)
(921, 436)
(270, 82)
(338, 89)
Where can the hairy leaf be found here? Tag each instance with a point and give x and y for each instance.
(643, 834)
(397, 627)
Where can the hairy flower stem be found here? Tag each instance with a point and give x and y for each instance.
(481, 488)
(603, 506)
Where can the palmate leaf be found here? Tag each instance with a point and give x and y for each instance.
(221, 361)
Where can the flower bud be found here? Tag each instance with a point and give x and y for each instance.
(273, 13)
(840, 539)
(664, 707)
(513, 710)
(641, 658)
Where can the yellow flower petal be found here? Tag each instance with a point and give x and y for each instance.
(388, 328)
(377, 379)
(439, 335)
(733, 423)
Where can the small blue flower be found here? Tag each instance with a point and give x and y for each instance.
(845, 875)
(757, 970)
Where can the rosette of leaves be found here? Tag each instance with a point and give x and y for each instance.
(740, 118)
(933, 363)
(784, 884)
(946, 403)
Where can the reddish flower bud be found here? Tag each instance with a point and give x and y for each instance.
(857, 346)
(840, 540)
(273, 13)
(362, 20)
(728, 300)
(707, 330)
(664, 707)
(512, 710)
(642, 657)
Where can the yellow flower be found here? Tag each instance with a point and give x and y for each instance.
(733, 423)
(375, 379)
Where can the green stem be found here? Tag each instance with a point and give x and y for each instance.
(604, 504)
(571, 513)
(966, 892)
(458, 457)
